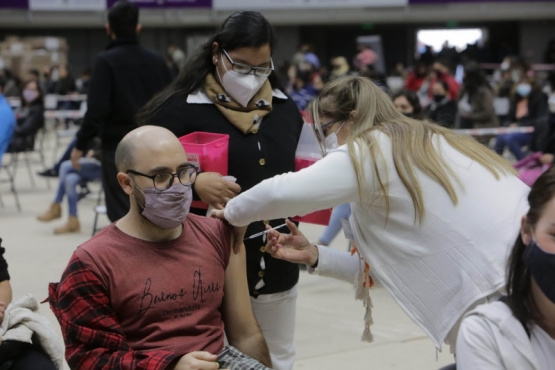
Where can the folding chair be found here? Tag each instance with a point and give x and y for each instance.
(99, 209)
(11, 180)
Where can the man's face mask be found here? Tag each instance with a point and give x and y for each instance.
(242, 82)
(542, 268)
(166, 209)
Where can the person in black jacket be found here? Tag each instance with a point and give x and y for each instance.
(529, 108)
(229, 87)
(30, 118)
(442, 110)
(124, 78)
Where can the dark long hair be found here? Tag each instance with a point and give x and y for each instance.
(414, 101)
(241, 29)
(474, 78)
(518, 275)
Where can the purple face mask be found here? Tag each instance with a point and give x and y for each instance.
(167, 209)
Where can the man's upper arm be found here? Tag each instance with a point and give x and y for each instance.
(237, 311)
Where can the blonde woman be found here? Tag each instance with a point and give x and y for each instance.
(434, 214)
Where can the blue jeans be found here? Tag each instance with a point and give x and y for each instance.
(65, 156)
(69, 177)
(515, 141)
(331, 231)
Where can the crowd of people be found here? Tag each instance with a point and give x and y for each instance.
(410, 186)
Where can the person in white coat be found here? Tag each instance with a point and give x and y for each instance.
(518, 332)
(434, 213)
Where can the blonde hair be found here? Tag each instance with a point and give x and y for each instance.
(370, 109)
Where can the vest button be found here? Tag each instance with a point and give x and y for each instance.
(255, 131)
(263, 249)
(262, 161)
(261, 273)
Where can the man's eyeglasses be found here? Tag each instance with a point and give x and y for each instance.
(164, 180)
(245, 69)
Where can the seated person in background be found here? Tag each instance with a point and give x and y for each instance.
(518, 332)
(529, 108)
(442, 110)
(18, 354)
(7, 120)
(157, 288)
(90, 170)
(30, 118)
(407, 102)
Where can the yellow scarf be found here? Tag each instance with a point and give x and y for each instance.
(246, 119)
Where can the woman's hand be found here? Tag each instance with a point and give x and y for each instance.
(293, 247)
(213, 189)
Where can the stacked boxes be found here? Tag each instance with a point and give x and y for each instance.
(23, 54)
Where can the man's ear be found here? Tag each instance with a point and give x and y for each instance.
(139, 28)
(125, 183)
(108, 30)
(525, 231)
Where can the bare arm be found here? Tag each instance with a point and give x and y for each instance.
(241, 327)
(5, 298)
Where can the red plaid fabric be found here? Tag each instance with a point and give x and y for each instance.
(92, 334)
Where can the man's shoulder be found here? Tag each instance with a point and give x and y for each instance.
(104, 239)
(209, 222)
(130, 50)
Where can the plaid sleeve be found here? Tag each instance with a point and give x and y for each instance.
(92, 334)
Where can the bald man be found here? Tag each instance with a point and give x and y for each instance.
(157, 288)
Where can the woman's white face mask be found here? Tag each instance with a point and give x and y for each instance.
(241, 87)
(330, 142)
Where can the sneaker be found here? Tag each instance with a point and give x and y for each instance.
(48, 173)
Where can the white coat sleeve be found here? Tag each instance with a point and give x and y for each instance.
(327, 183)
(476, 346)
(336, 264)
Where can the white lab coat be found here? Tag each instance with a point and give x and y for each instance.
(491, 338)
(435, 270)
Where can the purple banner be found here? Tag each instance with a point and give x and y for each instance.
(15, 4)
(161, 4)
(419, 2)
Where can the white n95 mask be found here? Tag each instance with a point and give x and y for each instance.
(241, 87)
(330, 142)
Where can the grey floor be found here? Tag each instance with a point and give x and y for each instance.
(329, 320)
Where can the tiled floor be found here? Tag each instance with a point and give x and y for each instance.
(329, 320)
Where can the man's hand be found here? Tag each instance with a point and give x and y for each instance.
(199, 360)
(293, 247)
(213, 189)
(76, 154)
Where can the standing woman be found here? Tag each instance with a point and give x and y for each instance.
(434, 213)
(518, 332)
(229, 87)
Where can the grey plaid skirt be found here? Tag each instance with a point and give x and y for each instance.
(233, 359)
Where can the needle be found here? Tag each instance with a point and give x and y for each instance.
(265, 232)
